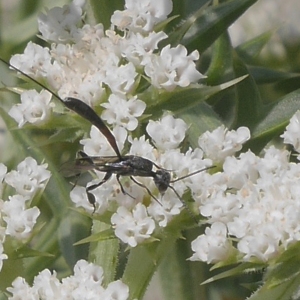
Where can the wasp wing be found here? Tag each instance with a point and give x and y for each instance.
(88, 163)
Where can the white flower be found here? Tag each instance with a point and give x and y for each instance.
(141, 15)
(35, 61)
(141, 147)
(257, 200)
(79, 198)
(60, 23)
(292, 132)
(20, 221)
(274, 161)
(121, 79)
(173, 67)
(133, 227)
(183, 164)
(134, 193)
(3, 170)
(167, 133)
(21, 290)
(98, 145)
(260, 245)
(87, 277)
(122, 112)
(138, 48)
(2, 256)
(116, 290)
(222, 208)
(2, 226)
(213, 246)
(86, 283)
(34, 108)
(239, 171)
(47, 286)
(103, 195)
(220, 143)
(164, 211)
(78, 72)
(29, 177)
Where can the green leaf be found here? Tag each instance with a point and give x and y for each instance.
(98, 237)
(283, 272)
(283, 291)
(278, 116)
(175, 37)
(184, 99)
(73, 227)
(180, 278)
(105, 253)
(142, 263)
(215, 20)
(264, 75)
(249, 104)
(25, 252)
(200, 119)
(221, 61)
(10, 270)
(292, 253)
(144, 259)
(238, 270)
(101, 11)
(45, 241)
(251, 49)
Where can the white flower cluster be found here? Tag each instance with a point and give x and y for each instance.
(253, 206)
(35, 108)
(86, 283)
(105, 68)
(17, 218)
(133, 218)
(291, 135)
(94, 65)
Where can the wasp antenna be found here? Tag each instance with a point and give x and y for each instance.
(80, 108)
(191, 174)
(185, 205)
(161, 168)
(32, 79)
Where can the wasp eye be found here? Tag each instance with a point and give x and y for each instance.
(162, 180)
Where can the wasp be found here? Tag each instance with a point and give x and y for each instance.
(120, 165)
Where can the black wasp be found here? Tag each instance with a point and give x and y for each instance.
(128, 165)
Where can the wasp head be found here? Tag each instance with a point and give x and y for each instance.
(162, 180)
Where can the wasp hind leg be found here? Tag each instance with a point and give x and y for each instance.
(122, 189)
(90, 196)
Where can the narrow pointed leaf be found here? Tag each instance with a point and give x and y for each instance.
(214, 22)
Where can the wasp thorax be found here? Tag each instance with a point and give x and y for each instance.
(162, 180)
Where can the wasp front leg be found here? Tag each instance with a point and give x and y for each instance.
(122, 189)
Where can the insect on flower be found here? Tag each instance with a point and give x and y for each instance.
(120, 165)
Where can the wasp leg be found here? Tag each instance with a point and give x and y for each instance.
(185, 205)
(148, 191)
(90, 196)
(77, 176)
(122, 189)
